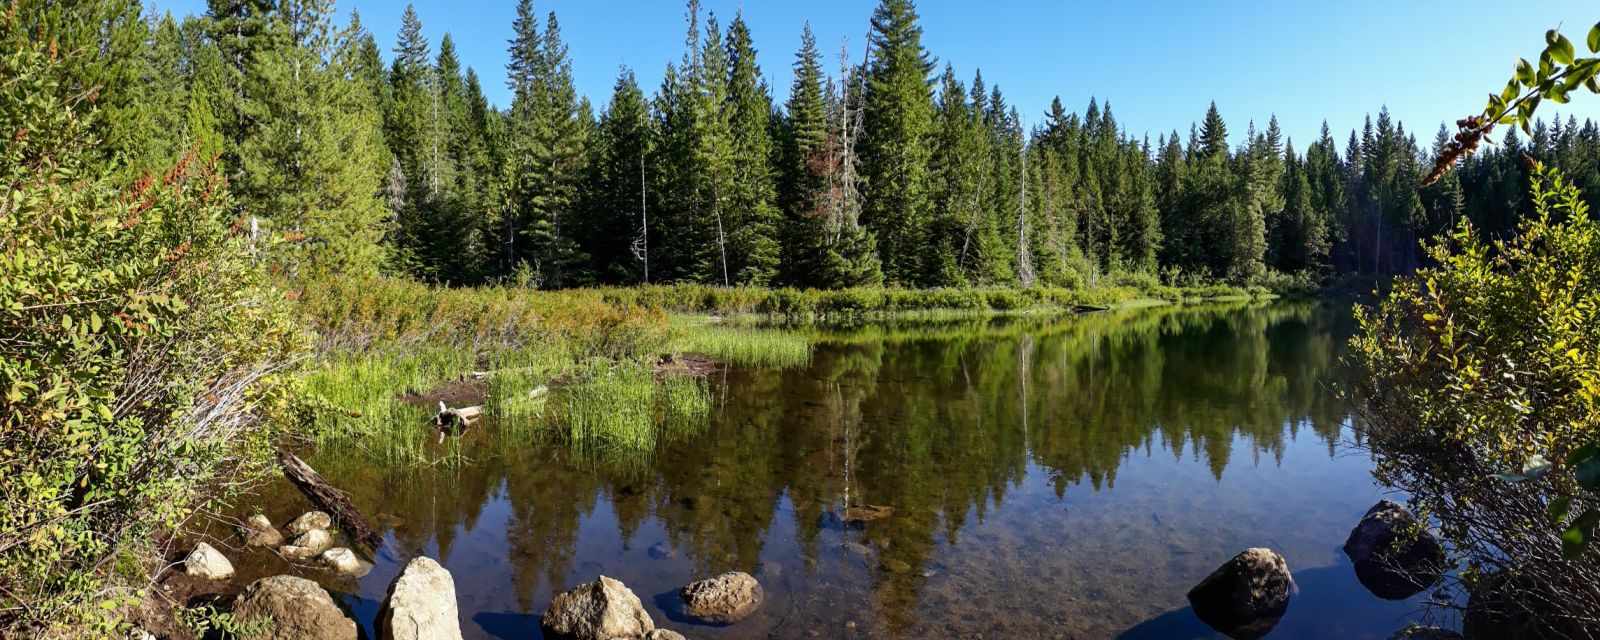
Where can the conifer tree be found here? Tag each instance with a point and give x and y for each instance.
(753, 242)
(895, 141)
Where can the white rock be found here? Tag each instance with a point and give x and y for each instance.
(345, 561)
(421, 604)
(259, 532)
(601, 610)
(317, 540)
(206, 562)
(308, 521)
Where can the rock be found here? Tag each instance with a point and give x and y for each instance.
(855, 517)
(601, 610)
(206, 562)
(664, 634)
(259, 532)
(857, 548)
(296, 553)
(725, 599)
(662, 551)
(893, 565)
(1245, 597)
(308, 521)
(297, 609)
(421, 604)
(1419, 632)
(1395, 556)
(346, 562)
(315, 540)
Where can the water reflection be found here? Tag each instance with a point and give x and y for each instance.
(1049, 478)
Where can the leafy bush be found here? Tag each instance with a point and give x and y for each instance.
(139, 352)
(1486, 365)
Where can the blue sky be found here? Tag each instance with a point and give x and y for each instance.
(1158, 63)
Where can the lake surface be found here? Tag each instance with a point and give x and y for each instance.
(1050, 478)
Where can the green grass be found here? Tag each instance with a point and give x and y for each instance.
(743, 345)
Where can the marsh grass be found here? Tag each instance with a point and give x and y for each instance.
(743, 345)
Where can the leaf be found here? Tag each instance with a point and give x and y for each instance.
(1588, 473)
(1594, 38)
(1558, 508)
(1562, 50)
(1594, 87)
(1580, 534)
(1525, 73)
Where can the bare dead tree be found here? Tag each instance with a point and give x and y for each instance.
(1024, 256)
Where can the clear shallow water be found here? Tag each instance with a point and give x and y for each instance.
(1069, 478)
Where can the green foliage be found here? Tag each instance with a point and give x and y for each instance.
(1481, 369)
(128, 375)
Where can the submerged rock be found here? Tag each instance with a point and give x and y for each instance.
(259, 532)
(1246, 596)
(725, 599)
(1419, 632)
(421, 604)
(308, 521)
(855, 517)
(1395, 557)
(664, 634)
(206, 562)
(296, 553)
(295, 608)
(346, 562)
(601, 610)
(662, 551)
(315, 541)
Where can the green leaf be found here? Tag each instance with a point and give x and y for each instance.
(1594, 87)
(1580, 534)
(1525, 73)
(1588, 473)
(1562, 51)
(1594, 38)
(1558, 508)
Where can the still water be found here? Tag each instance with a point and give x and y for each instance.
(1062, 478)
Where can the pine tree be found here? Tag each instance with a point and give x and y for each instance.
(895, 149)
(615, 235)
(753, 241)
(803, 178)
(311, 166)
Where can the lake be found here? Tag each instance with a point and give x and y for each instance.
(1067, 477)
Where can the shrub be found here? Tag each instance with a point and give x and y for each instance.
(1480, 366)
(139, 352)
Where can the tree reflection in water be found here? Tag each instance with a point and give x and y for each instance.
(1049, 477)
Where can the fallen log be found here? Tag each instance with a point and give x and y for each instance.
(456, 419)
(329, 499)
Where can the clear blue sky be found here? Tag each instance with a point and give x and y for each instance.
(1158, 63)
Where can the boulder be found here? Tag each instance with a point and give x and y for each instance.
(1419, 632)
(1246, 596)
(601, 610)
(315, 540)
(308, 521)
(421, 604)
(345, 561)
(295, 608)
(664, 634)
(725, 599)
(296, 553)
(206, 562)
(259, 532)
(1394, 555)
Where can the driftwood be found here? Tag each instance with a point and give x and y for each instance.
(329, 499)
(456, 419)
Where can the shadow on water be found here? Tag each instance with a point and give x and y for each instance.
(1048, 477)
(507, 625)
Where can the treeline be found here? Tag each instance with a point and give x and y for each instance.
(888, 169)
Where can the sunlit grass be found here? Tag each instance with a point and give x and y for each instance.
(747, 346)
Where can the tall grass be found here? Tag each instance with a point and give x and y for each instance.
(743, 345)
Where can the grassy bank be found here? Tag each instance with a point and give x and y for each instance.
(604, 369)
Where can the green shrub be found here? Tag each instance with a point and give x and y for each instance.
(1486, 365)
(140, 351)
